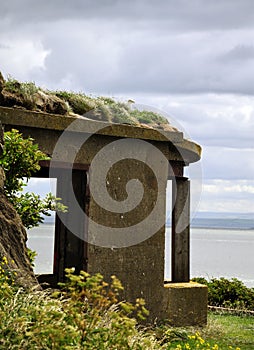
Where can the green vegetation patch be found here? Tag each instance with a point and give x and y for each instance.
(228, 293)
(234, 331)
(88, 313)
(28, 96)
(20, 160)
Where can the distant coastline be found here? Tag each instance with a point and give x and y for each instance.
(206, 220)
(222, 221)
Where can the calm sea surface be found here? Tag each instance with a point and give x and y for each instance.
(214, 252)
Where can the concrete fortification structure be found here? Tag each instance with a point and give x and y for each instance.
(113, 178)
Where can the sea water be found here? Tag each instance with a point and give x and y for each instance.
(215, 252)
(219, 253)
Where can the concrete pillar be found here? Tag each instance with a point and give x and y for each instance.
(181, 230)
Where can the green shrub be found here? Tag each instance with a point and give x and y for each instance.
(84, 314)
(100, 108)
(228, 293)
(20, 160)
(103, 320)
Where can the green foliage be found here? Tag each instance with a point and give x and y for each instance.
(106, 109)
(106, 322)
(148, 117)
(102, 108)
(6, 275)
(20, 160)
(230, 331)
(86, 314)
(196, 341)
(99, 108)
(31, 207)
(228, 293)
(31, 256)
(79, 102)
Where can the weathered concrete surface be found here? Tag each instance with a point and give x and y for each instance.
(126, 243)
(56, 124)
(185, 304)
(140, 268)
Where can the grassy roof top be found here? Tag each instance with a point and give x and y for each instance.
(31, 97)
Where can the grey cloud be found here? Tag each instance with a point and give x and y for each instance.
(221, 131)
(191, 15)
(239, 53)
(4, 46)
(110, 59)
(137, 46)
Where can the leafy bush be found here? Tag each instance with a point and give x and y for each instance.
(20, 160)
(228, 293)
(6, 275)
(85, 313)
(104, 321)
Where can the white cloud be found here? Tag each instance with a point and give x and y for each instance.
(210, 119)
(228, 163)
(219, 186)
(227, 196)
(21, 56)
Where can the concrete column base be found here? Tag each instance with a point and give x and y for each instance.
(185, 304)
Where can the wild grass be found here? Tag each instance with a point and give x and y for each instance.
(101, 108)
(25, 91)
(86, 313)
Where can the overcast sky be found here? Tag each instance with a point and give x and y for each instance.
(191, 59)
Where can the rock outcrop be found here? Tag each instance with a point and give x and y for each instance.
(28, 96)
(13, 239)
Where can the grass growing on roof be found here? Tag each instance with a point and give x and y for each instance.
(24, 90)
(101, 108)
(78, 102)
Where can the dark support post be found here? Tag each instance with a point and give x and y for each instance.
(70, 250)
(181, 230)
